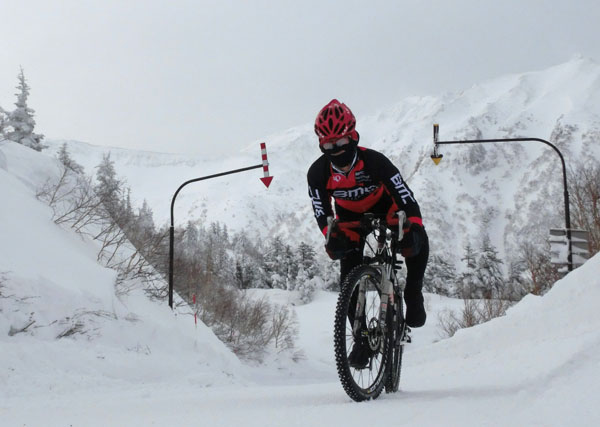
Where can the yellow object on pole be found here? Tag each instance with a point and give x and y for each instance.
(436, 157)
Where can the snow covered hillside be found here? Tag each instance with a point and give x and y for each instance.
(504, 190)
(61, 325)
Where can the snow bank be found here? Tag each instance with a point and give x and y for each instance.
(61, 325)
(541, 359)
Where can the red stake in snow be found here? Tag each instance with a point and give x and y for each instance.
(267, 179)
(195, 311)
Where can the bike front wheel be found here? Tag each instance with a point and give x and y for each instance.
(368, 382)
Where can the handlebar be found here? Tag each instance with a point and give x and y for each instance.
(367, 224)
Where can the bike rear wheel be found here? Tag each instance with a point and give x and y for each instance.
(367, 383)
(395, 346)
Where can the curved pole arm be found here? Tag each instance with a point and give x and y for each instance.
(172, 228)
(564, 170)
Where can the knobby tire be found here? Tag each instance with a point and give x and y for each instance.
(374, 375)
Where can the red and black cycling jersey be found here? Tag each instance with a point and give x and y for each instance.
(374, 184)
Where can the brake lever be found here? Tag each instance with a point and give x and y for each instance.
(401, 222)
(330, 221)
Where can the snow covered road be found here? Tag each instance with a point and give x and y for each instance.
(511, 371)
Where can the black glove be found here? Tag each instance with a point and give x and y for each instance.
(340, 241)
(413, 240)
(338, 246)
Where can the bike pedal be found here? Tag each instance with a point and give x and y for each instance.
(406, 338)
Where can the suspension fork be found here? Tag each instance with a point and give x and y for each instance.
(360, 305)
(387, 297)
(387, 294)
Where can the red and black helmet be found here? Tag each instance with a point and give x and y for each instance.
(335, 121)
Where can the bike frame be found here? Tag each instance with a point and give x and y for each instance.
(384, 261)
(373, 285)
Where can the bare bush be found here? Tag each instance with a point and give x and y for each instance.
(584, 187)
(74, 203)
(72, 200)
(283, 328)
(250, 328)
(474, 312)
(83, 322)
(14, 330)
(541, 273)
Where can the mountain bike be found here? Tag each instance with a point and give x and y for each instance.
(370, 310)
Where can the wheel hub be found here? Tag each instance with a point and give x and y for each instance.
(374, 335)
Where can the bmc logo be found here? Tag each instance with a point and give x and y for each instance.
(316, 201)
(400, 186)
(355, 193)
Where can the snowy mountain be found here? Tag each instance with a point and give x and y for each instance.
(504, 190)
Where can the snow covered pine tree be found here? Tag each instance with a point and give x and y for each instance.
(21, 119)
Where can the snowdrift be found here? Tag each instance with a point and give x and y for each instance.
(539, 364)
(61, 324)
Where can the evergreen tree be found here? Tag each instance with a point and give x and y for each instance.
(244, 247)
(65, 158)
(219, 263)
(191, 241)
(468, 278)
(274, 265)
(3, 121)
(440, 276)
(145, 217)
(246, 273)
(248, 258)
(108, 187)
(516, 286)
(127, 207)
(489, 270)
(305, 286)
(21, 119)
(306, 259)
(290, 267)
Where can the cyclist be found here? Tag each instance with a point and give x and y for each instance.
(362, 180)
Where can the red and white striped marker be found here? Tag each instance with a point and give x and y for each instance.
(267, 179)
(195, 311)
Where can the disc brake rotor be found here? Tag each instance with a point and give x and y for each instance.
(374, 335)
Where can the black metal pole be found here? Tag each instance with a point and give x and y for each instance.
(172, 228)
(564, 170)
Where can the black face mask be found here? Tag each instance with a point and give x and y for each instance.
(345, 157)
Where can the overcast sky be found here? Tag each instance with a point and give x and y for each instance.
(201, 76)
